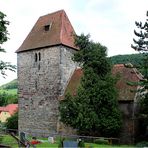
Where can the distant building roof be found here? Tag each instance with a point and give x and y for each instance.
(126, 92)
(11, 108)
(51, 29)
(125, 75)
(74, 82)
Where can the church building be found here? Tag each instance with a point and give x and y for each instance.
(44, 69)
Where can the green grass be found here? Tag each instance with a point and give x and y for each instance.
(9, 91)
(42, 145)
(89, 145)
(8, 140)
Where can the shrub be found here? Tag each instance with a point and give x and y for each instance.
(61, 142)
(1, 139)
(81, 143)
(142, 144)
(101, 141)
(12, 122)
(6, 98)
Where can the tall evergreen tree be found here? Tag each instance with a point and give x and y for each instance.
(94, 110)
(141, 45)
(3, 38)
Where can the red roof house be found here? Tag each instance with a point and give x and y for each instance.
(7, 111)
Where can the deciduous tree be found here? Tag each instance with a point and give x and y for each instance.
(3, 38)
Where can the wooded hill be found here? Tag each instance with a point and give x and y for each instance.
(8, 93)
(134, 59)
(11, 85)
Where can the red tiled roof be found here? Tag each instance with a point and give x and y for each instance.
(60, 32)
(11, 108)
(125, 75)
(74, 81)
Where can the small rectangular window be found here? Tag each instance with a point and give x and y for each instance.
(39, 56)
(36, 57)
(47, 27)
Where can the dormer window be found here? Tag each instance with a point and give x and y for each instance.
(46, 27)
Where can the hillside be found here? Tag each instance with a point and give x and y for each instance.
(8, 93)
(9, 88)
(11, 85)
(134, 59)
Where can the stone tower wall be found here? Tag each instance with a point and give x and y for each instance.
(42, 77)
(67, 67)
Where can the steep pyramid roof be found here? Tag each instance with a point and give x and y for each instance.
(51, 29)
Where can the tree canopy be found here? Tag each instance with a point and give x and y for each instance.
(141, 45)
(3, 38)
(134, 59)
(94, 110)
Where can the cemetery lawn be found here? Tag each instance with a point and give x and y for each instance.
(8, 140)
(87, 145)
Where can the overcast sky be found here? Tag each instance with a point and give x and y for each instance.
(110, 22)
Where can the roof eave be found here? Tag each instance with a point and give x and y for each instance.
(24, 50)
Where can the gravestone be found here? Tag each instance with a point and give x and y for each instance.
(22, 137)
(51, 139)
(68, 144)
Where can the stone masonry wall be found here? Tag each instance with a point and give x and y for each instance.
(128, 126)
(42, 77)
(67, 67)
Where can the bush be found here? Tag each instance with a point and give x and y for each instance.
(6, 98)
(1, 139)
(101, 141)
(61, 142)
(81, 143)
(12, 122)
(142, 144)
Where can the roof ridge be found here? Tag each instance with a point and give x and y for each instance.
(61, 31)
(119, 65)
(138, 74)
(52, 13)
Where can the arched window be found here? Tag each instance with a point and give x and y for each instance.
(39, 56)
(36, 57)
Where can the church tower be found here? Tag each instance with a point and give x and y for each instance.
(44, 69)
